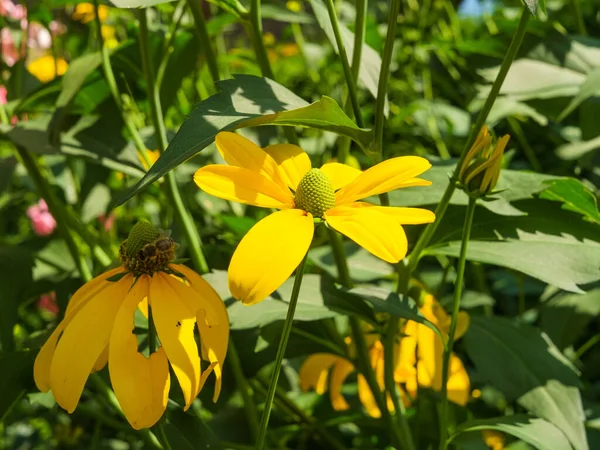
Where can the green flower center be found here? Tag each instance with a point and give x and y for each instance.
(315, 193)
(145, 250)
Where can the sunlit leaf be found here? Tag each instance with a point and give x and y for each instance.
(574, 196)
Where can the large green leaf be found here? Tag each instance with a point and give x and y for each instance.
(575, 150)
(537, 432)
(589, 88)
(243, 98)
(524, 364)
(574, 197)
(549, 243)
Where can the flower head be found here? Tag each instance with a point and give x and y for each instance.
(280, 176)
(480, 170)
(47, 302)
(41, 220)
(98, 329)
(86, 12)
(46, 68)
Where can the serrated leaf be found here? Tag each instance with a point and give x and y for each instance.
(574, 197)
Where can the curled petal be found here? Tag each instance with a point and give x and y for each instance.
(269, 254)
(340, 372)
(293, 162)
(315, 371)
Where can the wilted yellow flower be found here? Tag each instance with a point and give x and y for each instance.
(418, 362)
(480, 169)
(46, 68)
(280, 176)
(98, 329)
(85, 12)
(493, 439)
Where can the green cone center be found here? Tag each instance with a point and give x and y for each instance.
(315, 193)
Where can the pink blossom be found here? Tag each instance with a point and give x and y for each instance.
(9, 9)
(3, 94)
(39, 37)
(108, 222)
(9, 50)
(47, 302)
(57, 28)
(42, 221)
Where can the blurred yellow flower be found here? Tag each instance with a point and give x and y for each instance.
(109, 36)
(294, 6)
(46, 68)
(151, 155)
(493, 439)
(418, 363)
(85, 12)
(269, 39)
(98, 330)
(280, 176)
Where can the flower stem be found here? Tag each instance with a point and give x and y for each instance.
(384, 76)
(350, 80)
(244, 388)
(579, 16)
(440, 210)
(172, 191)
(285, 335)
(205, 42)
(56, 208)
(455, 307)
(360, 29)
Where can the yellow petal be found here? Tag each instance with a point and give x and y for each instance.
(269, 254)
(82, 342)
(239, 151)
(340, 175)
(292, 160)
(141, 384)
(462, 325)
(86, 291)
(384, 177)
(430, 352)
(459, 385)
(404, 216)
(175, 328)
(101, 361)
(340, 372)
(315, 370)
(376, 232)
(243, 186)
(406, 359)
(366, 397)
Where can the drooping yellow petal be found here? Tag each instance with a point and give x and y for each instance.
(175, 328)
(243, 186)
(269, 254)
(459, 385)
(141, 384)
(462, 325)
(101, 361)
(86, 291)
(292, 160)
(314, 372)
(366, 397)
(404, 216)
(340, 175)
(82, 342)
(376, 232)
(384, 177)
(340, 372)
(430, 352)
(239, 151)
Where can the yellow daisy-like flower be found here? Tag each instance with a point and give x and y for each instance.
(280, 176)
(418, 362)
(46, 68)
(86, 12)
(98, 329)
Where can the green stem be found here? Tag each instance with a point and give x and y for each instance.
(360, 28)
(440, 210)
(455, 307)
(245, 389)
(205, 42)
(586, 346)
(287, 328)
(384, 76)
(350, 81)
(579, 16)
(56, 208)
(172, 191)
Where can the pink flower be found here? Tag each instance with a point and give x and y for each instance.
(9, 9)
(39, 37)
(47, 302)
(3, 94)
(42, 221)
(10, 54)
(108, 222)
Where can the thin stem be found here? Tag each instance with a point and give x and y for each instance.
(384, 76)
(172, 191)
(205, 43)
(245, 389)
(56, 208)
(586, 346)
(350, 81)
(287, 328)
(391, 386)
(440, 210)
(360, 28)
(455, 307)
(579, 16)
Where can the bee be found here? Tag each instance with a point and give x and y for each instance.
(162, 248)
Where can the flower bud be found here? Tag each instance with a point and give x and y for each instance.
(480, 169)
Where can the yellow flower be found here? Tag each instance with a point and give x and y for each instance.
(480, 170)
(493, 439)
(294, 6)
(98, 329)
(109, 36)
(151, 155)
(85, 12)
(46, 68)
(418, 363)
(280, 176)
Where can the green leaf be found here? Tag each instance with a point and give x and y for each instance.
(281, 14)
(370, 63)
(242, 98)
(532, 5)
(76, 74)
(524, 364)
(537, 432)
(589, 88)
(574, 197)
(575, 150)
(16, 378)
(137, 3)
(565, 317)
(385, 301)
